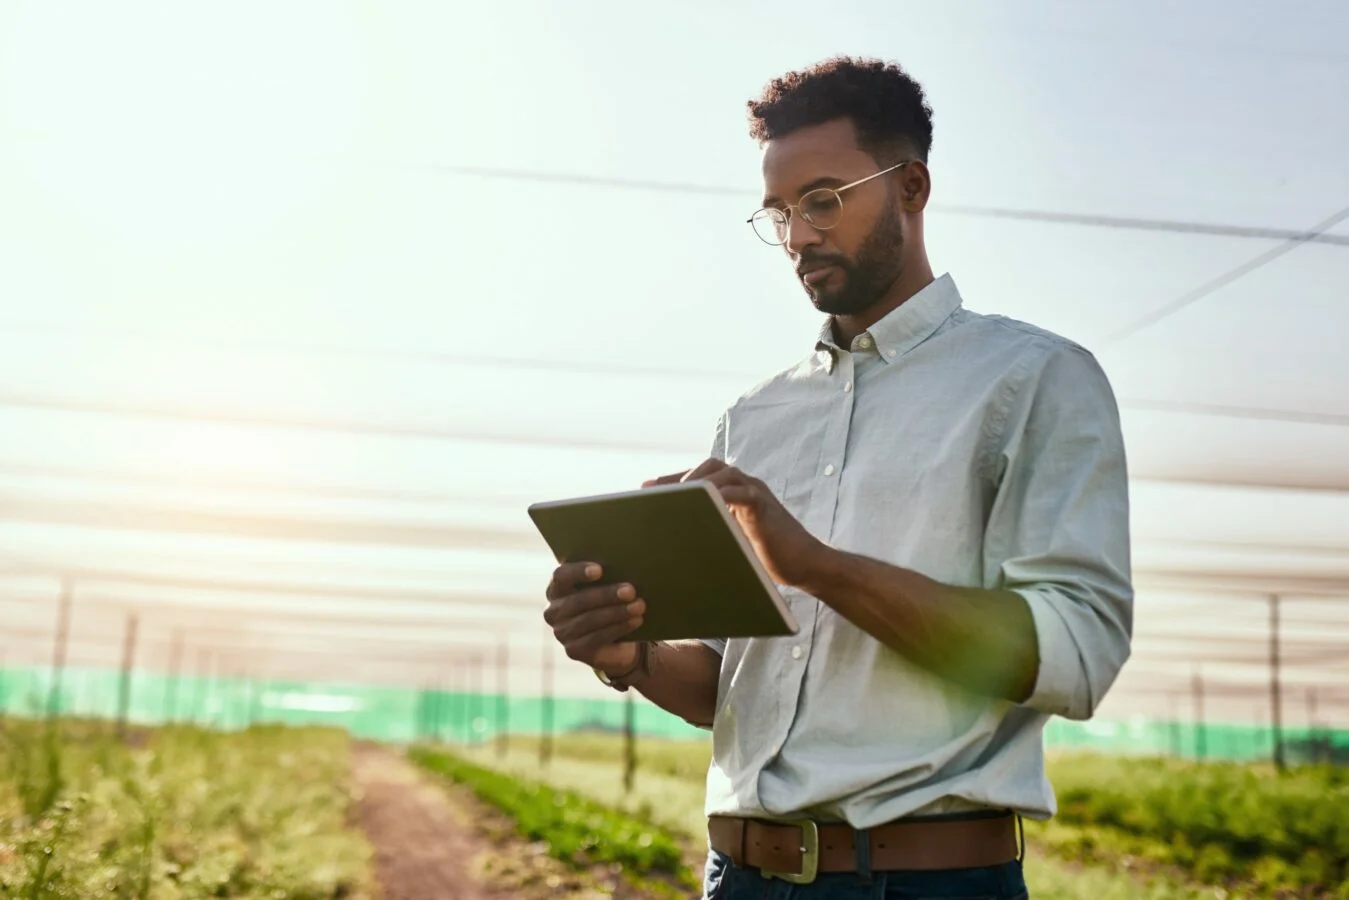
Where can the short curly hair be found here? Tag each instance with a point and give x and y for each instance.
(887, 107)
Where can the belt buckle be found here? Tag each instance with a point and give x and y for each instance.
(810, 855)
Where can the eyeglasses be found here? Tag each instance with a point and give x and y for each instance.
(822, 209)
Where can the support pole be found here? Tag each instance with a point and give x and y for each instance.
(59, 650)
(1313, 735)
(174, 677)
(503, 724)
(203, 672)
(629, 743)
(546, 735)
(1275, 694)
(1175, 727)
(124, 688)
(475, 698)
(437, 701)
(1200, 729)
(458, 702)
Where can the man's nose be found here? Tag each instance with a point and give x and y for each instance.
(801, 233)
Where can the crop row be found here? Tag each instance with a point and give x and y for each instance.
(577, 830)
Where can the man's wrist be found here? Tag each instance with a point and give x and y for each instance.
(823, 571)
(638, 672)
(625, 671)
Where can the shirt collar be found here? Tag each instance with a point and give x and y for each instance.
(907, 326)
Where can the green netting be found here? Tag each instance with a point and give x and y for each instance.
(404, 714)
(379, 713)
(1212, 740)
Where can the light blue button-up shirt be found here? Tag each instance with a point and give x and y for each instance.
(981, 452)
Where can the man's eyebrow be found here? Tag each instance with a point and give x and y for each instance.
(822, 181)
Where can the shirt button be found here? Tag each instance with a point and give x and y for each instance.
(847, 386)
(829, 469)
(796, 653)
(891, 353)
(864, 342)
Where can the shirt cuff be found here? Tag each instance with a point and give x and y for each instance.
(717, 644)
(1061, 671)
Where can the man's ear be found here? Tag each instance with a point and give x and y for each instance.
(916, 186)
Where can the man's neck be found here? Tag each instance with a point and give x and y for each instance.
(910, 281)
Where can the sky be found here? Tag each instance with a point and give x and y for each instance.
(266, 268)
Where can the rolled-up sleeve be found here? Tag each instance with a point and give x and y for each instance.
(1058, 531)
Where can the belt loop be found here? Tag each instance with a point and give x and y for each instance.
(861, 844)
(1021, 839)
(741, 843)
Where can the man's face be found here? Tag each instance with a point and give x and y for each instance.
(848, 268)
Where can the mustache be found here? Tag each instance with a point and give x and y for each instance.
(816, 261)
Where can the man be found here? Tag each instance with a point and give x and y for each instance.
(941, 496)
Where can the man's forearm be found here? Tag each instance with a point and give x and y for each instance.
(683, 680)
(983, 640)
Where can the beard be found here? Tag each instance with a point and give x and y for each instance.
(865, 279)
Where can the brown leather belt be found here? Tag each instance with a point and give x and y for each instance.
(796, 851)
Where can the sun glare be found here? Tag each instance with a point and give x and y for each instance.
(198, 131)
(214, 450)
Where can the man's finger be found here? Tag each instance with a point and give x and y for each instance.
(568, 576)
(584, 601)
(666, 479)
(702, 470)
(739, 494)
(596, 621)
(588, 645)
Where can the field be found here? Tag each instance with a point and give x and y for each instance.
(176, 814)
(274, 812)
(1126, 827)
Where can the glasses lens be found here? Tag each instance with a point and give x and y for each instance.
(822, 208)
(770, 225)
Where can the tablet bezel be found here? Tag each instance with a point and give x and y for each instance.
(552, 536)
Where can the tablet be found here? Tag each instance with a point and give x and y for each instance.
(680, 547)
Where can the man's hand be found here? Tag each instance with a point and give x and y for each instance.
(589, 621)
(787, 550)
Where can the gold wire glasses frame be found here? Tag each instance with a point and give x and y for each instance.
(822, 209)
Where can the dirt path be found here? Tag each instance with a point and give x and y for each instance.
(434, 841)
(425, 848)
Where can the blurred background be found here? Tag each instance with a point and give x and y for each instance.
(301, 304)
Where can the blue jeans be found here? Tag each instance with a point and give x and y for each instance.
(723, 880)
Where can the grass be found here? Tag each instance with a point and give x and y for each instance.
(576, 829)
(1100, 847)
(1243, 826)
(177, 814)
(669, 802)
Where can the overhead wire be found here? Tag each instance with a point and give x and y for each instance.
(258, 486)
(1229, 411)
(1130, 223)
(429, 357)
(1221, 281)
(432, 497)
(612, 444)
(334, 425)
(390, 593)
(322, 529)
